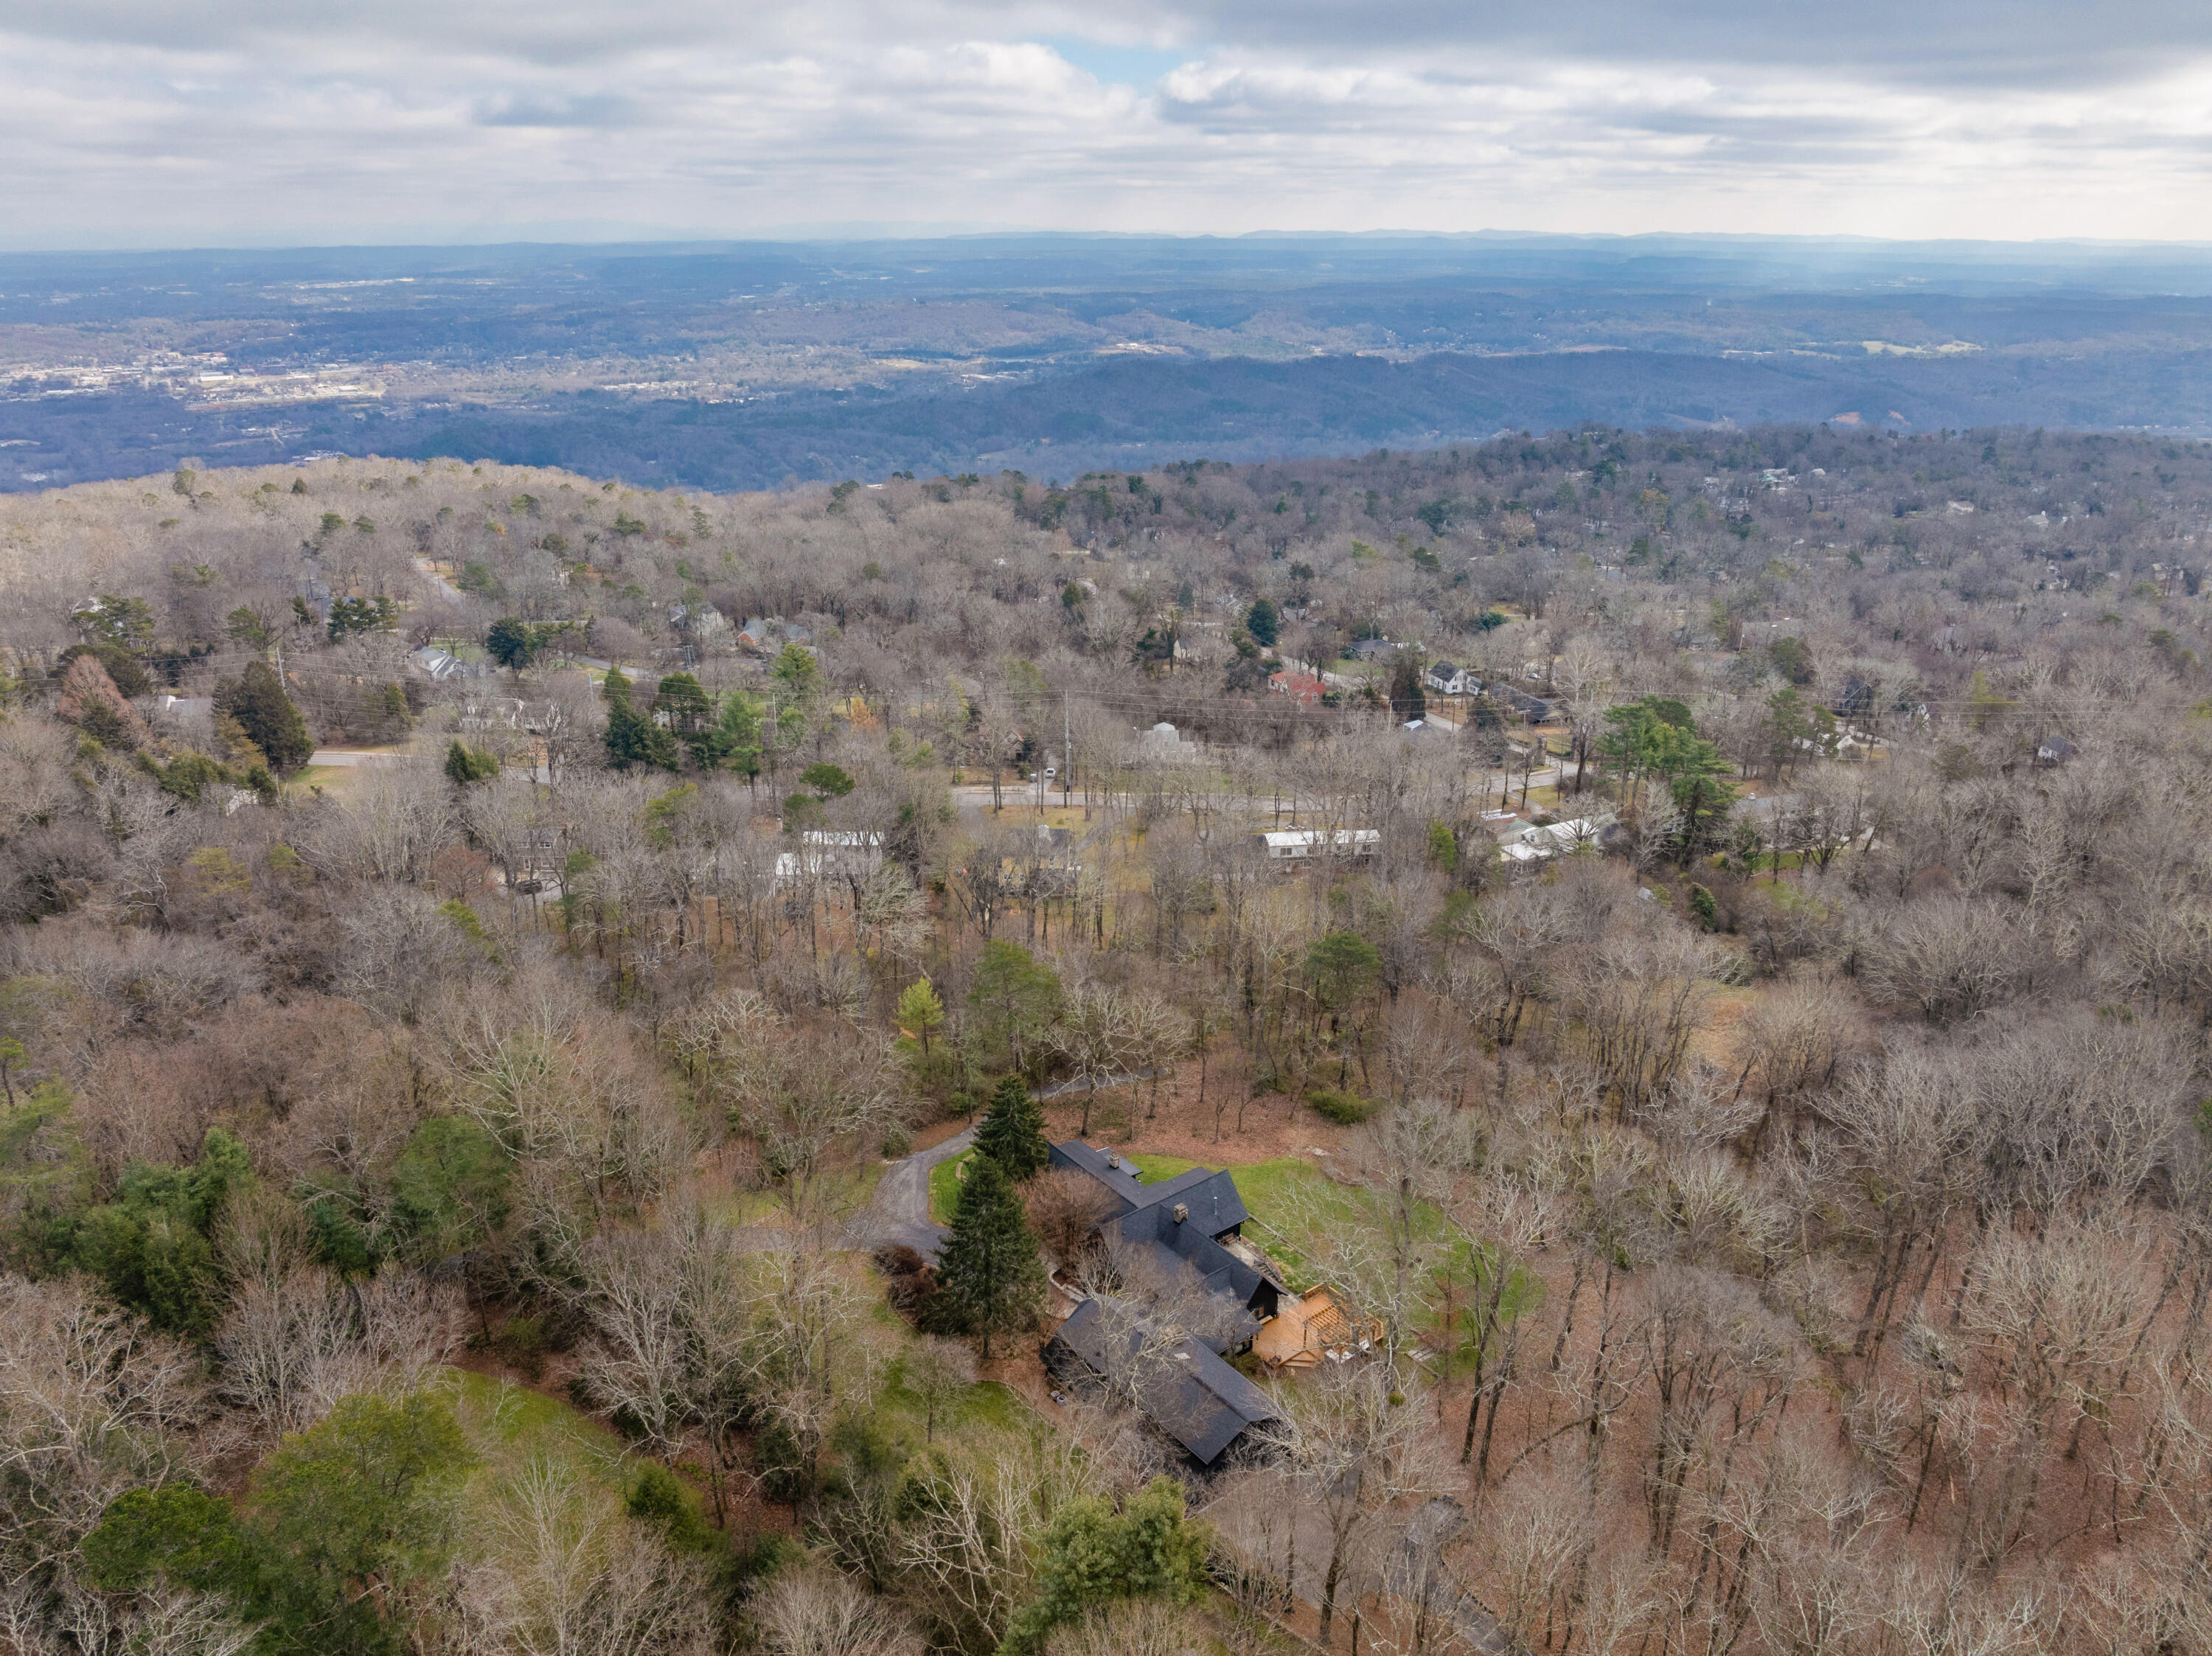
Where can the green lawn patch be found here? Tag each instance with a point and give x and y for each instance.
(1294, 1205)
(318, 776)
(520, 1433)
(1279, 1194)
(512, 1425)
(1266, 1186)
(984, 1407)
(944, 1188)
(1150, 1169)
(853, 1189)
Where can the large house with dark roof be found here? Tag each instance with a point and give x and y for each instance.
(1192, 1395)
(1191, 1223)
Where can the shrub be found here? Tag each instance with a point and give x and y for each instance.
(659, 1498)
(909, 1280)
(1346, 1109)
(523, 1344)
(897, 1260)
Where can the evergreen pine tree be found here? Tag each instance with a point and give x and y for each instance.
(989, 1267)
(735, 742)
(631, 737)
(512, 642)
(1012, 1131)
(267, 716)
(685, 703)
(921, 1009)
(466, 766)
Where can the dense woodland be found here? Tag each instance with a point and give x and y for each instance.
(441, 1198)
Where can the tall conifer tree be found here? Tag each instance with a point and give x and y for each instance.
(990, 1267)
(266, 714)
(632, 737)
(1012, 1131)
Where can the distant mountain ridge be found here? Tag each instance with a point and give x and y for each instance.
(1145, 410)
(740, 366)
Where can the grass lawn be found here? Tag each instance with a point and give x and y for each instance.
(944, 1188)
(1295, 1206)
(854, 1188)
(1291, 1202)
(510, 1425)
(986, 1407)
(328, 778)
(516, 1430)
(1266, 1186)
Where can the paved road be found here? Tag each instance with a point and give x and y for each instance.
(900, 1211)
(355, 757)
(446, 589)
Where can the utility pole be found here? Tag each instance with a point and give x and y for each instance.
(1067, 753)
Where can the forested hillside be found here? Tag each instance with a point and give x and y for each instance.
(495, 966)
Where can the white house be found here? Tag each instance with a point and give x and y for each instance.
(483, 712)
(1540, 842)
(1296, 845)
(1446, 679)
(828, 854)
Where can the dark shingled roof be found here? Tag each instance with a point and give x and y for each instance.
(1211, 1197)
(1196, 1398)
(1121, 1181)
(1212, 1209)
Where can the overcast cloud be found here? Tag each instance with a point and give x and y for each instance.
(253, 122)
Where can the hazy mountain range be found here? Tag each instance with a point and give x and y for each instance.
(744, 365)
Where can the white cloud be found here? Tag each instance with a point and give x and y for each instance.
(410, 120)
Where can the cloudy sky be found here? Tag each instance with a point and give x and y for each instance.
(126, 122)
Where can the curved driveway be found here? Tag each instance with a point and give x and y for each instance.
(900, 1210)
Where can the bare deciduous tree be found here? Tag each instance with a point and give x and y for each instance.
(820, 1612)
(568, 1574)
(1066, 1208)
(1355, 1454)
